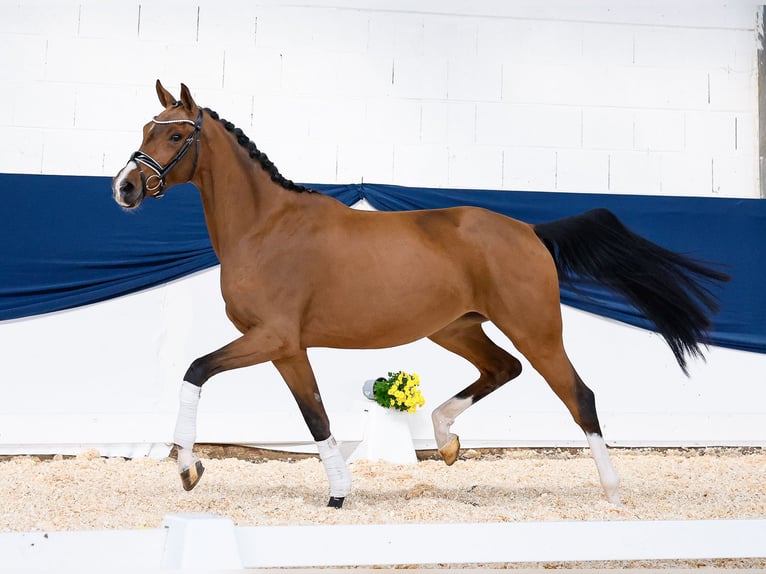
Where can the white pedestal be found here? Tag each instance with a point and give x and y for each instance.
(387, 437)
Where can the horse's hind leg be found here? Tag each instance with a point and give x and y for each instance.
(553, 364)
(466, 338)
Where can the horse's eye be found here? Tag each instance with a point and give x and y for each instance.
(175, 138)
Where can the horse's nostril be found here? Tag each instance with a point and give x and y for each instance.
(126, 186)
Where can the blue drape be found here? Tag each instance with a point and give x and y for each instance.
(65, 243)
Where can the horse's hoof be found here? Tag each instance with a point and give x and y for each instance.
(190, 476)
(336, 502)
(450, 450)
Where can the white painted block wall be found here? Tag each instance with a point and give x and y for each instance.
(632, 97)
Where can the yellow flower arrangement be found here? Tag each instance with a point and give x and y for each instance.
(400, 391)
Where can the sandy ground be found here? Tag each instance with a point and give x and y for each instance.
(90, 492)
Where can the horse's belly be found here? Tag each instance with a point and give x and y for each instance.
(380, 318)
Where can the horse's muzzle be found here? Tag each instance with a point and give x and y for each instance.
(127, 187)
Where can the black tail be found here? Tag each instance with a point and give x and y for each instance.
(673, 291)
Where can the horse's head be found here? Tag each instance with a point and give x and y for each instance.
(162, 160)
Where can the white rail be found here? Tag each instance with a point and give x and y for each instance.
(206, 541)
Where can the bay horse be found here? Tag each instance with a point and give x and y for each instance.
(298, 267)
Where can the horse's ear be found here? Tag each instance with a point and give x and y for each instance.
(187, 100)
(166, 98)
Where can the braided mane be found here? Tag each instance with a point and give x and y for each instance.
(258, 155)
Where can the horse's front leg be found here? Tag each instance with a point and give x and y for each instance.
(189, 466)
(252, 348)
(297, 373)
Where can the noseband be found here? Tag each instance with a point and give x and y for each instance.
(156, 188)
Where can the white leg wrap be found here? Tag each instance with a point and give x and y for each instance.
(186, 424)
(335, 467)
(608, 476)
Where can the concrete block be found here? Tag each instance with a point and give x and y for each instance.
(659, 130)
(40, 17)
(366, 161)
(392, 121)
(337, 119)
(528, 125)
(421, 165)
(317, 29)
(530, 83)
(397, 34)
(116, 62)
(632, 172)
(89, 159)
(735, 176)
(474, 80)
(196, 65)
(434, 120)
(607, 44)
(732, 91)
(173, 20)
(687, 174)
(420, 78)
(453, 122)
(461, 123)
(641, 87)
(494, 40)
(475, 167)
(28, 61)
(582, 171)
(746, 133)
(252, 70)
(236, 107)
(117, 149)
(357, 75)
(7, 103)
(704, 48)
(338, 30)
(276, 116)
(308, 73)
(712, 132)
(44, 105)
(115, 20)
(282, 27)
(607, 128)
(529, 169)
(304, 160)
(21, 150)
(231, 25)
(449, 36)
(544, 42)
(91, 102)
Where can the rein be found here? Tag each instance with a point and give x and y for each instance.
(156, 189)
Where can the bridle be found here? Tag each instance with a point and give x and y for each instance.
(156, 189)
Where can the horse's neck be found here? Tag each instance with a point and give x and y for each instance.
(238, 197)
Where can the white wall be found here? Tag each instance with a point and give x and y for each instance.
(648, 97)
(629, 97)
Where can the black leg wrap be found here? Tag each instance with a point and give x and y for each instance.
(336, 502)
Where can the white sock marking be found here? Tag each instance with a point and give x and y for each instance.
(444, 416)
(608, 476)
